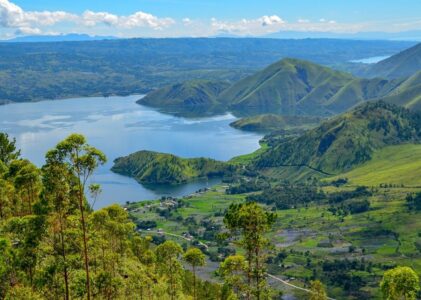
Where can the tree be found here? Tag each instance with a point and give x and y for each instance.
(195, 258)
(27, 181)
(233, 269)
(252, 222)
(81, 160)
(317, 291)
(8, 150)
(400, 283)
(167, 255)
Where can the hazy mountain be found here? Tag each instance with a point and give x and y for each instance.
(414, 35)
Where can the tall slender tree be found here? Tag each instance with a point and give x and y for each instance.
(195, 258)
(252, 222)
(81, 160)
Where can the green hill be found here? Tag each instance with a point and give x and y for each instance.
(271, 122)
(293, 86)
(346, 141)
(190, 93)
(160, 168)
(403, 64)
(391, 165)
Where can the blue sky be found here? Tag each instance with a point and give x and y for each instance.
(205, 17)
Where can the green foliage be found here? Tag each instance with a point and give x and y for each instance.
(271, 122)
(234, 269)
(400, 283)
(252, 222)
(41, 248)
(317, 291)
(160, 168)
(8, 151)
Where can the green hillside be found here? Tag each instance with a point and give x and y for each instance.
(160, 168)
(190, 93)
(293, 86)
(396, 165)
(271, 122)
(346, 141)
(403, 64)
(408, 93)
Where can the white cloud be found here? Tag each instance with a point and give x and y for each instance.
(12, 16)
(262, 25)
(187, 21)
(271, 20)
(32, 22)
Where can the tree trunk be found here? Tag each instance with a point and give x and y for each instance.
(85, 246)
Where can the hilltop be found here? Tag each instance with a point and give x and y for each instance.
(161, 168)
(346, 141)
(403, 64)
(293, 87)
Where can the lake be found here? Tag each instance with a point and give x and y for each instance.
(118, 126)
(371, 60)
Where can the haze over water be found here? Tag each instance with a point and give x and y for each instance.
(118, 126)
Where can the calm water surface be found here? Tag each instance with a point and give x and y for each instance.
(118, 126)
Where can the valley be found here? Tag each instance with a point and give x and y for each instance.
(209, 168)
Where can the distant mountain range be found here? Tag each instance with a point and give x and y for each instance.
(74, 37)
(299, 87)
(414, 35)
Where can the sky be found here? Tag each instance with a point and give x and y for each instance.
(196, 18)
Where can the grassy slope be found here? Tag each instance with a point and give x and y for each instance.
(346, 141)
(408, 93)
(293, 86)
(190, 93)
(391, 165)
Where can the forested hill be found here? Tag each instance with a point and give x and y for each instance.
(161, 168)
(346, 141)
(37, 71)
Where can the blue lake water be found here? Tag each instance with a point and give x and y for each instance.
(118, 126)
